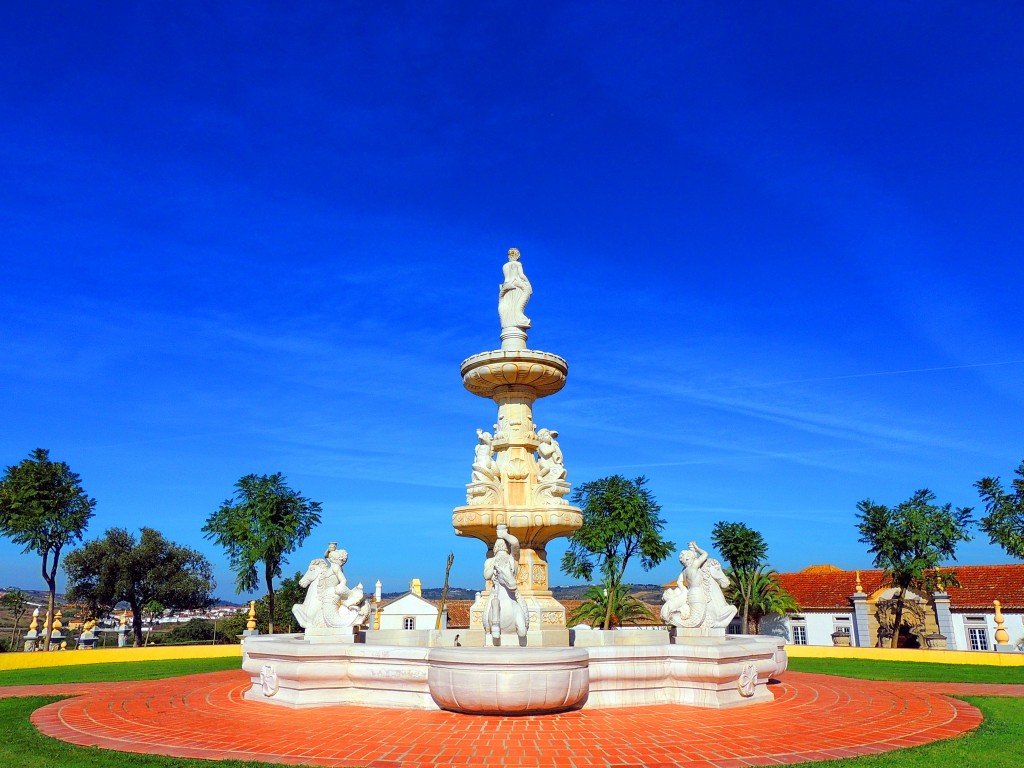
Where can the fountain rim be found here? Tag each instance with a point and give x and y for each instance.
(513, 356)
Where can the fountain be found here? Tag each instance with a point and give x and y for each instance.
(519, 656)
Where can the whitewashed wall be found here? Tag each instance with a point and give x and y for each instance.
(393, 614)
(820, 627)
(1014, 626)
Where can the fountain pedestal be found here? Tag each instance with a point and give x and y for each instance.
(525, 488)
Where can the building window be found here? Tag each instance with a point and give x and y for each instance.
(978, 637)
(799, 627)
(841, 624)
(409, 622)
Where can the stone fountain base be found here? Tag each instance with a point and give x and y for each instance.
(705, 672)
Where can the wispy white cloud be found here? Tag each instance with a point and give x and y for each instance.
(873, 374)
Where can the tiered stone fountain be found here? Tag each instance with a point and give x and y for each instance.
(518, 478)
(518, 656)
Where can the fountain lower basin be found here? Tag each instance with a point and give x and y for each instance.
(705, 672)
(508, 681)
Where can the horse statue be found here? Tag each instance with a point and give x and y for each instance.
(506, 610)
(329, 602)
(675, 610)
(718, 612)
(309, 610)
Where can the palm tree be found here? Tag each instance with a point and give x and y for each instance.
(616, 602)
(767, 596)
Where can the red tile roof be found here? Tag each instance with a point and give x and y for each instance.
(819, 588)
(458, 613)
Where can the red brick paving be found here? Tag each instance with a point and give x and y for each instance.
(813, 717)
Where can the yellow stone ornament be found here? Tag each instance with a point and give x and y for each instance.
(1002, 636)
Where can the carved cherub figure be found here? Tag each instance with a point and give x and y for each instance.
(550, 463)
(484, 468)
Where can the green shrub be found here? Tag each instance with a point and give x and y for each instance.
(194, 632)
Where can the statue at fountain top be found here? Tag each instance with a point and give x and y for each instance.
(514, 293)
(506, 610)
(697, 600)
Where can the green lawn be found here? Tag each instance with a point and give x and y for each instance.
(24, 747)
(996, 744)
(909, 670)
(117, 671)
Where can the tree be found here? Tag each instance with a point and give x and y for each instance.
(763, 593)
(152, 611)
(263, 522)
(910, 541)
(745, 550)
(601, 602)
(1004, 521)
(620, 522)
(288, 593)
(140, 571)
(15, 601)
(43, 507)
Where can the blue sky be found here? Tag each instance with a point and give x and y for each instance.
(780, 247)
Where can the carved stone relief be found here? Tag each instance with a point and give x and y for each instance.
(746, 683)
(268, 680)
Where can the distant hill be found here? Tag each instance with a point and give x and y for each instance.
(648, 593)
(434, 593)
(36, 595)
(40, 597)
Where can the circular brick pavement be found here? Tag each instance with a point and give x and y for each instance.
(813, 717)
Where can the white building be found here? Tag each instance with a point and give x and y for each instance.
(835, 603)
(410, 611)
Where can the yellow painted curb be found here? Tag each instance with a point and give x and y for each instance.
(17, 660)
(979, 658)
(39, 659)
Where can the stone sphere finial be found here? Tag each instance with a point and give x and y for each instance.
(513, 254)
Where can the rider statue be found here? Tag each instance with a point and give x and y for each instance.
(336, 559)
(329, 601)
(697, 600)
(506, 610)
